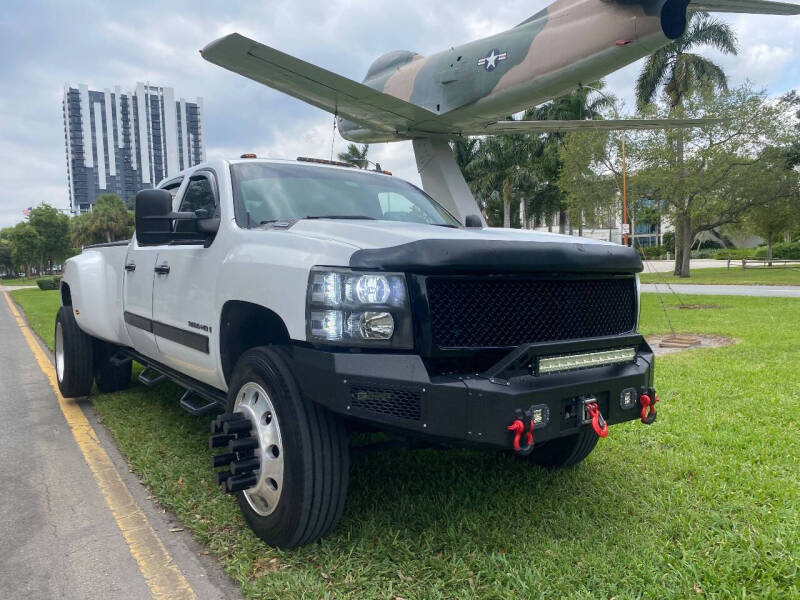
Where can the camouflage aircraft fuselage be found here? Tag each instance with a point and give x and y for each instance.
(566, 44)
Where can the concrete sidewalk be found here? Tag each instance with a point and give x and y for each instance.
(667, 266)
(61, 539)
(765, 291)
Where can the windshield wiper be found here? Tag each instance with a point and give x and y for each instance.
(448, 225)
(357, 217)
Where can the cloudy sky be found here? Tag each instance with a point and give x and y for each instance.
(106, 43)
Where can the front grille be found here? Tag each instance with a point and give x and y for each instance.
(391, 402)
(475, 312)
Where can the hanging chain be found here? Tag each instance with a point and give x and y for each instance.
(333, 135)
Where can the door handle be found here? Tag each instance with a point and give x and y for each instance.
(130, 267)
(162, 269)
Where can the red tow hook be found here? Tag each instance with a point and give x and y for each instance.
(649, 407)
(518, 428)
(598, 422)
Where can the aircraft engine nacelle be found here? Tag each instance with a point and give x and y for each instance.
(674, 18)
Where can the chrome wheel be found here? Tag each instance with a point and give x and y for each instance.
(59, 347)
(254, 402)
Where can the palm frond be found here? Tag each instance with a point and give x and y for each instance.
(653, 75)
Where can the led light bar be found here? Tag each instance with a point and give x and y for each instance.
(571, 362)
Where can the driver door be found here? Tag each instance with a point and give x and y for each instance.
(184, 315)
(139, 274)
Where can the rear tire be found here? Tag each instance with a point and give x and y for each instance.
(108, 376)
(313, 447)
(565, 452)
(73, 356)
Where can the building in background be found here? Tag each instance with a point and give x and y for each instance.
(119, 142)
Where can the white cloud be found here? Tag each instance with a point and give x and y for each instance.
(112, 43)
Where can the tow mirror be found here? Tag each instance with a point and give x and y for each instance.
(206, 223)
(473, 222)
(153, 212)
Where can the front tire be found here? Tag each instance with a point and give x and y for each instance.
(73, 356)
(303, 448)
(566, 451)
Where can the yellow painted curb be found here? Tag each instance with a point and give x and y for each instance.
(162, 576)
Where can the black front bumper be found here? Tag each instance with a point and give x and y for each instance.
(395, 391)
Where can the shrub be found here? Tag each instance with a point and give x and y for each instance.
(790, 251)
(704, 253)
(47, 283)
(652, 252)
(668, 240)
(735, 253)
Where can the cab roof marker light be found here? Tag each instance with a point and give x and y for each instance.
(571, 362)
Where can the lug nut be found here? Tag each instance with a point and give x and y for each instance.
(245, 466)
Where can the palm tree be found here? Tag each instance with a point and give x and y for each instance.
(680, 71)
(501, 166)
(582, 103)
(356, 156)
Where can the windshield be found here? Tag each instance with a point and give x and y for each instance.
(268, 192)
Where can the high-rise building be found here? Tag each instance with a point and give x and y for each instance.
(119, 142)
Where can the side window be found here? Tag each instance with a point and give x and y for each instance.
(199, 194)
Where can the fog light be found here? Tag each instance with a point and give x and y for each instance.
(628, 399)
(540, 415)
(371, 326)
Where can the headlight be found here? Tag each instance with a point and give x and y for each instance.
(359, 309)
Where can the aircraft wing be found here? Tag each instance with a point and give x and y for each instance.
(756, 7)
(315, 85)
(607, 125)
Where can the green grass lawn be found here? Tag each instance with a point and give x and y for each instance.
(734, 275)
(706, 501)
(21, 281)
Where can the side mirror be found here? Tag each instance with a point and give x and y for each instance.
(153, 217)
(473, 222)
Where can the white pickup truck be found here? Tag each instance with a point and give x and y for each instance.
(305, 300)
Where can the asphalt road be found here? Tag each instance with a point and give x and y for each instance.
(766, 291)
(59, 537)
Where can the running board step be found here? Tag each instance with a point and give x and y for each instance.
(150, 377)
(197, 410)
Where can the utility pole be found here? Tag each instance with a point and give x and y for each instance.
(625, 225)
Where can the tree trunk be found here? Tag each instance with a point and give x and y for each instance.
(506, 203)
(683, 245)
(562, 220)
(683, 224)
(580, 225)
(523, 218)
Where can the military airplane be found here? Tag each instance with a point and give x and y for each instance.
(470, 89)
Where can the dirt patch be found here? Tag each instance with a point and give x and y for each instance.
(663, 345)
(697, 306)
